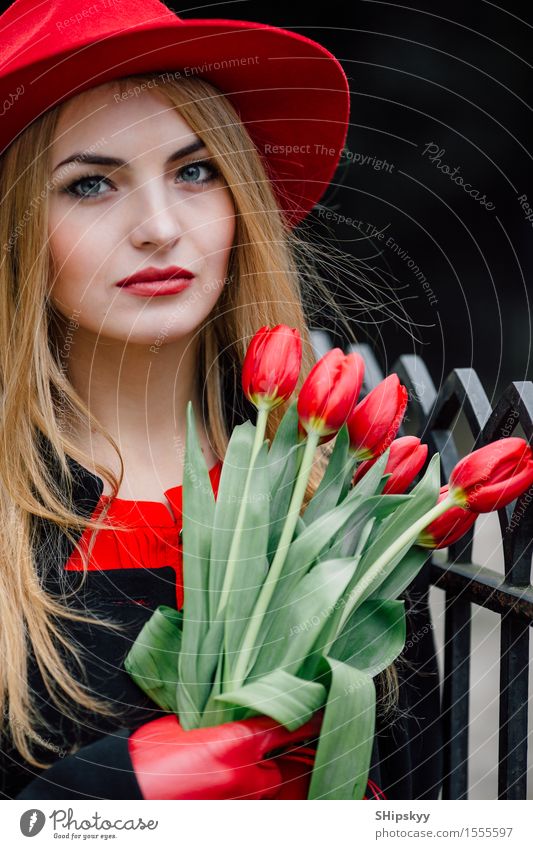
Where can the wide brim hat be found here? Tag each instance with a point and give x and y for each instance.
(290, 92)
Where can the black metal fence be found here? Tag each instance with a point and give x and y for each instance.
(464, 582)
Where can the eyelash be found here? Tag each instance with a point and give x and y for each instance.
(69, 190)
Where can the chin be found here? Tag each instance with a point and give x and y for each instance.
(154, 335)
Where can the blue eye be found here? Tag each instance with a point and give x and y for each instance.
(193, 169)
(98, 179)
(189, 174)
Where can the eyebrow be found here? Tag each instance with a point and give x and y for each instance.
(96, 159)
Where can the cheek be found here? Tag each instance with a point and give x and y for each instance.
(70, 289)
(216, 232)
(65, 246)
(57, 243)
(73, 256)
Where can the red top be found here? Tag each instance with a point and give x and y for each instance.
(155, 542)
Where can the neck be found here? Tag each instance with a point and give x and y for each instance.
(138, 395)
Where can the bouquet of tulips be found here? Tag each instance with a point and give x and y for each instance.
(289, 611)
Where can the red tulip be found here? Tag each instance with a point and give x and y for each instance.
(330, 391)
(493, 476)
(271, 366)
(449, 527)
(374, 422)
(407, 455)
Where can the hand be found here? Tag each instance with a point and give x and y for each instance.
(226, 761)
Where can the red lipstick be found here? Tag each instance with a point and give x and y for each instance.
(157, 281)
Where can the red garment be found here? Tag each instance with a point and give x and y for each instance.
(155, 542)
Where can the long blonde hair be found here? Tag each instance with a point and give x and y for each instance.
(271, 274)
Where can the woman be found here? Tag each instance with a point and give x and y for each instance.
(147, 232)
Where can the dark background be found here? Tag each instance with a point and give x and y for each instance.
(457, 75)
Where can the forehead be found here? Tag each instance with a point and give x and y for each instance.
(136, 116)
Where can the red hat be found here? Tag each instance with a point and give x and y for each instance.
(290, 92)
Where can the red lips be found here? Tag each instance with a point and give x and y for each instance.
(148, 275)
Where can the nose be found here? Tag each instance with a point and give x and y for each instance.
(156, 218)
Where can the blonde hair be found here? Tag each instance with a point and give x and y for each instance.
(267, 258)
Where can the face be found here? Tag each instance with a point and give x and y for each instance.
(156, 208)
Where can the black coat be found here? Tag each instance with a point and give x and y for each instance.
(406, 758)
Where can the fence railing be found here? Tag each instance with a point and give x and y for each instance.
(465, 582)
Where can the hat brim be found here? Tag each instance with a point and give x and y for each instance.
(290, 92)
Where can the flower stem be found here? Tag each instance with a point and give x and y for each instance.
(408, 536)
(262, 418)
(267, 590)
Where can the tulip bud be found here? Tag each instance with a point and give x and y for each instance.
(271, 366)
(493, 476)
(449, 527)
(375, 421)
(407, 455)
(330, 391)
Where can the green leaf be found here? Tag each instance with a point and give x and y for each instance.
(383, 481)
(215, 713)
(231, 485)
(372, 536)
(300, 526)
(251, 564)
(152, 661)
(198, 514)
(286, 698)
(424, 496)
(297, 624)
(303, 551)
(344, 750)
(283, 445)
(346, 541)
(364, 536)
(405, 572)
(284, 459)
(305, 548)
(373, 637)
(371, 482)
(280, 499)
(206, 669)
(331, 488)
